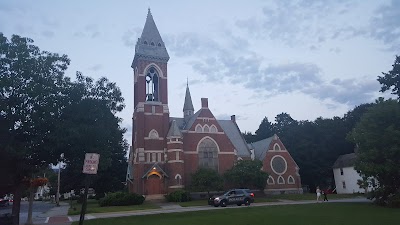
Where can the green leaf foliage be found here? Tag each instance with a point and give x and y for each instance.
(378, 138)
(206, 179)
(247, 174)
(391, 79)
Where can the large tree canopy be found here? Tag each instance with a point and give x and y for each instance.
(44, 114)
(247, 174)
(391, 79)
(32, 96)
(378, 138)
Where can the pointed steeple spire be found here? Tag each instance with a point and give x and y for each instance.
(150, 43)
(188, 105)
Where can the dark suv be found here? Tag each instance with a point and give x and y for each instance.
(234, 196)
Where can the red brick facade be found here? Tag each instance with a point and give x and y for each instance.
(167, 150)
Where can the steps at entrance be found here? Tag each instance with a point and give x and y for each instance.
(155, 198)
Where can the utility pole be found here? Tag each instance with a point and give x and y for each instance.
(58, 185)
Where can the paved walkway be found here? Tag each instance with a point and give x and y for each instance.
(58, 215)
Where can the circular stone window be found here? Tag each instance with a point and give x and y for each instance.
(278, 164)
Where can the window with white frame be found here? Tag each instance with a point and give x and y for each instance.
(213, 129)
(199, 129)
(206, 128)
(208, 154)
(290, 180)
(270, 180)
(281, 180)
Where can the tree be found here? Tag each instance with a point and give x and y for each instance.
(377, 136)
(89, 124)
(206, 179)
(265, 129)
(391, 79)
(247, 174)
(32, 96)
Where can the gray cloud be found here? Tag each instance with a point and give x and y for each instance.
(385, 25)
(90, 30)
(130, 37)
(48, 33)
(96, 67)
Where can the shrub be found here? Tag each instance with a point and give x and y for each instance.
(121, 198)
(178, 196)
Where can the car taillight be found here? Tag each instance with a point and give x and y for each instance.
(252, 195)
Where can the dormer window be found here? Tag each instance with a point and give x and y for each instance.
(152, 85)
(145, 42)
(159, 44)
(152, 44)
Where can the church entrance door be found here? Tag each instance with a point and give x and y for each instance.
(154, 184)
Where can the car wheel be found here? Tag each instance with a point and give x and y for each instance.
(215, 205)
(247, 202)
(222, 203)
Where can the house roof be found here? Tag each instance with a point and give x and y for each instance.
(174, 130)
(261, 148)
(347, 160)
(155, 169)
(235, 136)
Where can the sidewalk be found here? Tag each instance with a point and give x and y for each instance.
(58, 215)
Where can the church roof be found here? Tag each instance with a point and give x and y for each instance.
(261, 148)
(174, 130)
(347, 160)
(188, 105)
(150, 44)
(232, 131)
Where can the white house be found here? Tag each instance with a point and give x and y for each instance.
(346, 176)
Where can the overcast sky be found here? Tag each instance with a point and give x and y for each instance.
(249, 58)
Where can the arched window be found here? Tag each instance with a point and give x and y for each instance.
(277, 147)
(199, 129)
(178, 179)
(153, 134)
(145, 42)
(270, 180)
(206, 128)
(208, 154)
(152, 85)
(281, 180)
(152, 44)
(213, 129)
(159, 44)
(290, 180)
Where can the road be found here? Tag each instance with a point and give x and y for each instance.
(38, 208)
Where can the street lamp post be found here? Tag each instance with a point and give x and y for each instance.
(58, 180)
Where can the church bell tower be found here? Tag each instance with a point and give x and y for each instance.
(151, 113)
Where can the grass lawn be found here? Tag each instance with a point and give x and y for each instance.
(322, 213)
(93, 207)
(311, 196)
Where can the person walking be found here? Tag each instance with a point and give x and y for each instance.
(325, 195)
(318, 191)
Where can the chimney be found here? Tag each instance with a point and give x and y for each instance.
(233, 118)
(204, 102)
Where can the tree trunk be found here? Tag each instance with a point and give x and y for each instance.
(31, 194)
(17, 204)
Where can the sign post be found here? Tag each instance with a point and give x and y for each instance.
(90, 166)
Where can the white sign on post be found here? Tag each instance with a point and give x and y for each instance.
(91, 163)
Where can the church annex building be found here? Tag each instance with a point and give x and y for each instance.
(167, 150)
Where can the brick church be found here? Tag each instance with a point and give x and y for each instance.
(167, 150)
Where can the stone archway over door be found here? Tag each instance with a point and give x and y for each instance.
(154, 185)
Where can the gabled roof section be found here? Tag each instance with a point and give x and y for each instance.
(150, 44)
(235, 136)
(347, 160)
(155, 169)
(261, 148)
(174, 130)
(191, 120)
(188, 105)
